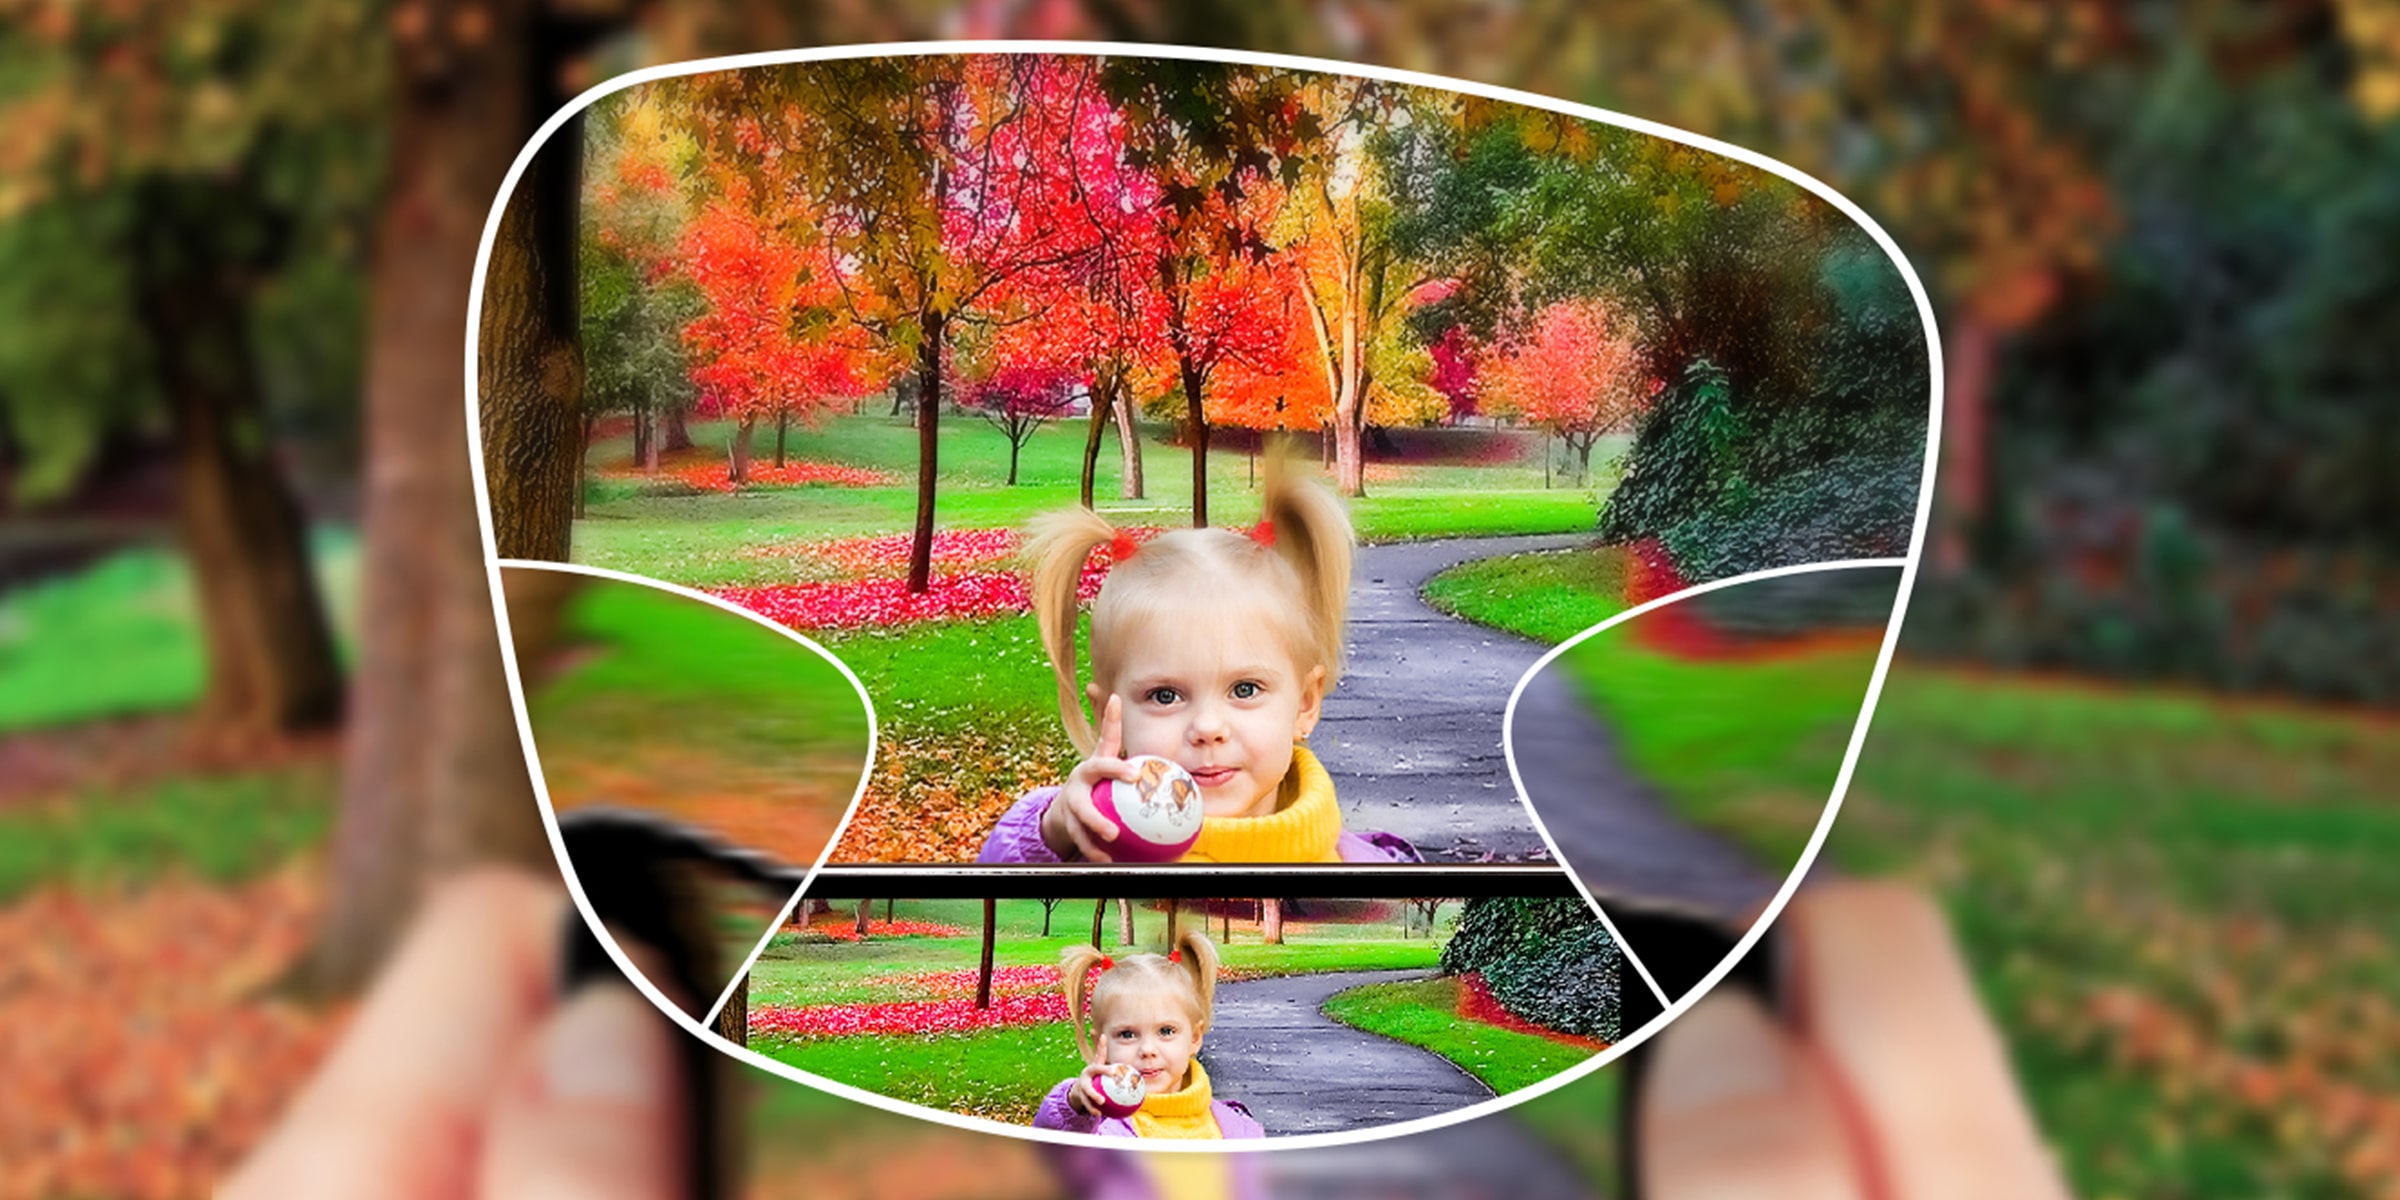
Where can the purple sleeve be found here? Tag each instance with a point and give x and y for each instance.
(1235, 1121)
(1375, 848)
(1018, 836)
(1055, 1114)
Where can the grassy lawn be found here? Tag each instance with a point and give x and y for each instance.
(2128, 867)
(997, 1073)
(121, 638)
(711, 540)
(219, 828)
(1425, 1013)
(1549, 596)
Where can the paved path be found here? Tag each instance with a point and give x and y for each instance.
(1412, 738)
(1300, 1071)
(1412, 734)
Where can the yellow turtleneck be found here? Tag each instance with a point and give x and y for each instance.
(1302, 828)
(1182, 1114)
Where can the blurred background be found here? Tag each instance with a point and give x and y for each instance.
(2139, 742)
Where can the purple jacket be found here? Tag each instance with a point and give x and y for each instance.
(1233, 1120)
(1018, 838)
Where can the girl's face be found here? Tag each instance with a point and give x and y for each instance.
(1219, 694)
(1155, 1032)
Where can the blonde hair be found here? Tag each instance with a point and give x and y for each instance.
(1304, 576)
(1192, 981)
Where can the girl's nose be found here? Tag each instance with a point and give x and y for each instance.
(1208, 725)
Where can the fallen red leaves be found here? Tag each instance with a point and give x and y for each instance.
(861, 557)
(836, 927)
(883, 599)
(141, 1059)
(951, 985)
(712, 475)
(905, 1017)
(1477, 1003)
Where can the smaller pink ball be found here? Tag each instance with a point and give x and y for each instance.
(1158, 819)
(1121, 1091)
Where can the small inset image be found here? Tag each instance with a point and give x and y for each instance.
(1199, 1017)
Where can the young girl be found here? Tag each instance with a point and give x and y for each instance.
(1210, 648)
(1149, 1012)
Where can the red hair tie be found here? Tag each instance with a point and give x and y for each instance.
(1174, 956)
(1263, 533)
(1122, 546)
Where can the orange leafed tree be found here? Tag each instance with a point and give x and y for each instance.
(1575, 372)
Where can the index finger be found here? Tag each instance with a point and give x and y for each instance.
(1112, 729)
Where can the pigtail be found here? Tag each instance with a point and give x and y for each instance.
(1197, 956)
(1075, 965)
(1312, 533)
(1056, 545)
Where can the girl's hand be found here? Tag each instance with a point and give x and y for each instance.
(1072, 826)
(1084, 1097)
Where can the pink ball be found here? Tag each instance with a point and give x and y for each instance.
(1159, 819)
(1121, 1091)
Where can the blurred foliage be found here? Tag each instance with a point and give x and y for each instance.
(253, 130)
(2194, 452)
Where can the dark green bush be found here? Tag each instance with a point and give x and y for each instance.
(1549, 961)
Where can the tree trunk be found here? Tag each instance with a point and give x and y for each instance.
(583, 461)
(1349, 474)
(1091, 446)
(678, 435)
(1966, 373)
(887, 909)
(645, 438)
(866, 909)
(1193, 384)
(1129, 445)
(1014, 448)
(271, 664)
(1048, 907)
(983, 979)
(783, 425)
(529, 361)
(1270, 921)
(733, 1020)
(929, 409)
(1173, 911)
(1124, 922)
(433, 776)
(738, 470)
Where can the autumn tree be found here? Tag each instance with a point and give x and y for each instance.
(635, 304)
(938, 183)
(1018, 399)
(1575, 372)
(149, 197)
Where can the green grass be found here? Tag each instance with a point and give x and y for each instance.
(664, 665)
(222, 829)
(1549, 596)
(699, 540)
(997, 1073)
(1748, 748)
(122, 639)
(1424, 1013)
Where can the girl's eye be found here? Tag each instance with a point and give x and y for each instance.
(1161, 695)
(1246, 690)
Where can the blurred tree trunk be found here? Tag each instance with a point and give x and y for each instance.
(271, 663)
(739, 471)
(1124, 922)
(1091, 448)
(1270, 921)
(434, 779)
(529, 359)
(783, 426)
(866, 909)
(1099, 920)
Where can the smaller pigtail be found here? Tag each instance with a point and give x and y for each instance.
(1196, 956)
(1056, 545)
(1312, 532)
(1075, 965)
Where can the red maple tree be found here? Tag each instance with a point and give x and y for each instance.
(1574, 372)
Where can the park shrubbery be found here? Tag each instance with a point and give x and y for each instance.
(1548, 961)
(1733, 478)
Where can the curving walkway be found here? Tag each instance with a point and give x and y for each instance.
(1272, 1047)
